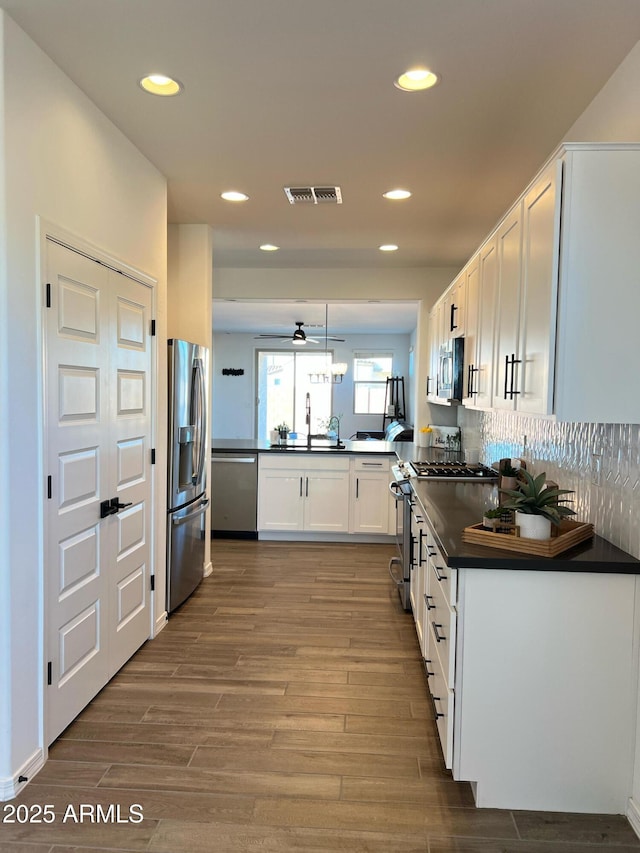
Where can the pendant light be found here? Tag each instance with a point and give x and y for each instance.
(334, 371)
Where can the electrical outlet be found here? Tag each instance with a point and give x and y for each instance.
(596, 469)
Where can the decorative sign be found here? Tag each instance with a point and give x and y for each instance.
(232, 371)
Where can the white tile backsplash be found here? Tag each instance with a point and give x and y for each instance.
(599, 462)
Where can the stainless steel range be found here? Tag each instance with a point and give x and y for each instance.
(437, 470)
(401, 491)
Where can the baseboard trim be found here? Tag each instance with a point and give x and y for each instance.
(307, 536)
(208, 569)
(633, 815)
(11, 786)
(160, 623)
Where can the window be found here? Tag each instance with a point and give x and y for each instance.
(283, 384)
(370, 373)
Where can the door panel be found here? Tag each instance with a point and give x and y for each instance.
(98, 425)
(130, 451)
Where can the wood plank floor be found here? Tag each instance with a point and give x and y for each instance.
(282, 710)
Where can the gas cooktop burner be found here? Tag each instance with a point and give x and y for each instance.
(453, 471)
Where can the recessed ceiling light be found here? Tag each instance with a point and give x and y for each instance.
(397, 195)
(269, 247)
(388, 247)
(416, 79)
(159, 84)
(232, 195)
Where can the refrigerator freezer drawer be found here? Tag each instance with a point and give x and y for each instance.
(185, 553)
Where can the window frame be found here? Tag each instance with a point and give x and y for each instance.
(369, 354)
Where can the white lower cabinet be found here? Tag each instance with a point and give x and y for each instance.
(533, 677)
(439, 644)
(306, 493)
(372, 506)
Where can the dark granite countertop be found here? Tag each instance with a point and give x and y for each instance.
(450, 507)
(293, 448)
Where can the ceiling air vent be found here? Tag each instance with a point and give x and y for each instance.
(314, 195)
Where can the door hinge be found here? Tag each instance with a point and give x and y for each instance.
(49, 673)
(152, 578)
(48, 295)
(153, 328)
(153, 456)
(49, 487)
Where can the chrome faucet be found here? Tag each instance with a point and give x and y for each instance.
(307, 418)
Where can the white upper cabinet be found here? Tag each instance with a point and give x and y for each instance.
(455, 308)
(509, 247)
(539, 292)
(482, 376)
(560, 269)
(598, 345)
(479, 327)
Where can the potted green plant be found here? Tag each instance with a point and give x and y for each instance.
(536, 506)
(283, 430)
(491, 517)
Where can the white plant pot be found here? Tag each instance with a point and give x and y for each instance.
(533, 526)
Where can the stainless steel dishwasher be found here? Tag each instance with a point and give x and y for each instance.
(234, 495)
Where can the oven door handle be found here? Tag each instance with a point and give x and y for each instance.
(396, 491)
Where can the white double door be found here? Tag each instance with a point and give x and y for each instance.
(98, 462)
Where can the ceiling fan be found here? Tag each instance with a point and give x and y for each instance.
(299, 337)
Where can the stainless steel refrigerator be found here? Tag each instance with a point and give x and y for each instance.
(188, 463)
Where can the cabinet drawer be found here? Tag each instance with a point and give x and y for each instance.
(371, 463)
(443, 702)
(296, 461)
(442, 621)
(444, 576)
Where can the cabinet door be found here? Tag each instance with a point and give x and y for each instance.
(471, 337)
(454, 302)
(326, 500)
(538, 298)
(482, 391)
(371, 498)
(509, 245)
(280, 499)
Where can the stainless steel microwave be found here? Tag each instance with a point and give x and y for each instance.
(450, 370)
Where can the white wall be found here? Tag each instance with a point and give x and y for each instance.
(189, 302)
(189, 283)
(64, 162)
(613, 115)
(234, 396)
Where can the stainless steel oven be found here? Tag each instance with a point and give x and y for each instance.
(400, 565)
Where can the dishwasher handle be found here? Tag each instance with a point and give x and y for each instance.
(250, 459)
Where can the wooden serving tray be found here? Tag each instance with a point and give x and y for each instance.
(569, 534)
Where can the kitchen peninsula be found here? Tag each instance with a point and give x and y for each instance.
(320, 492)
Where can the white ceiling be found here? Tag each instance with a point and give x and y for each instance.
(291, 92)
